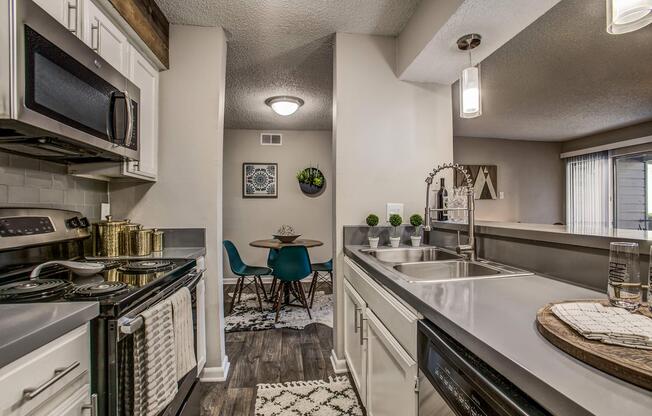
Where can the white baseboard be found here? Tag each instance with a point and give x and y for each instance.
(215, 374)
(339, 365)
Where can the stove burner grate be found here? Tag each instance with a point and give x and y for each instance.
(95, 290)
(35, 289)
(147, 266)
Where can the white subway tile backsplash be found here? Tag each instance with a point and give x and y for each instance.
(23, 195)
(51, 196)
(32, 182)
(38, 179)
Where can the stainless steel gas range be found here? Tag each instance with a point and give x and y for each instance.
(124, 289)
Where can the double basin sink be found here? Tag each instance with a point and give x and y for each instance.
(433, 264)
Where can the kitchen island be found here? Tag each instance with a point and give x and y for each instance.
(495, 320)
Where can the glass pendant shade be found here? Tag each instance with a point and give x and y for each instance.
(284, 106)
(470, 93)
(624, 16)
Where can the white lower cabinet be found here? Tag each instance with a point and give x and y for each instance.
(379, 345)
(391, 373)
(354, 342)
(53, 380)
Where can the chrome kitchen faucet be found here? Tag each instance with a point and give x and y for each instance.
(467, 249)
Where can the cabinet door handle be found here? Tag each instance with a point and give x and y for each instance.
(362, 338)
(92, 406)
(95, 37)
(72, 21)
(59, 373)
(355, 320)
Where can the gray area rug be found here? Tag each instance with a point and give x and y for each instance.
(246, 314)
(332, 397)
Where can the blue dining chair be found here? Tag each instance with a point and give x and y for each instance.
(322, 274)
(244, 271)
(291, 265)
(271, 258)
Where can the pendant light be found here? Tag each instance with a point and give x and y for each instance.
(284, 105)
(470, 88)
(624, 16)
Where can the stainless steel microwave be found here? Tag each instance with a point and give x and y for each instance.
(59, 100)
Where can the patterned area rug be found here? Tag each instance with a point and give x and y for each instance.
(246, 314)
(332, 397)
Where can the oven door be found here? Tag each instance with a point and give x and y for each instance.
(66, 100)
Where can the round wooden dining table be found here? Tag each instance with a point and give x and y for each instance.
(273, 243)
(277, 244)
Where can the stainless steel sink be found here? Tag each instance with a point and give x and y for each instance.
(411, 254)
(424, 272)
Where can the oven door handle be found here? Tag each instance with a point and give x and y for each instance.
(130, 324)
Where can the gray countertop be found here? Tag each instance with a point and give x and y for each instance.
(495, 319)
(25, 327)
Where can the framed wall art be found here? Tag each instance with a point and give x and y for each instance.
(259, 180)
(484, 178)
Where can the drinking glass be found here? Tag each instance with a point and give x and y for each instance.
(624, 281)
(649, 282)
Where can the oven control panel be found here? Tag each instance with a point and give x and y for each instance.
(19, 226)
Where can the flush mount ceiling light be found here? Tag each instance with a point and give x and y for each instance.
(284, 105)
(624, 16)
(470, 92)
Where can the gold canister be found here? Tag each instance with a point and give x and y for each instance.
(141, 242)
(157, 240)
(125, 239)
(107, 237)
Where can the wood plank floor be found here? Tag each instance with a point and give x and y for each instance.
(272, 356)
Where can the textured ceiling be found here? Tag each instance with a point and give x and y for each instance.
(285, 47)
(563, 77)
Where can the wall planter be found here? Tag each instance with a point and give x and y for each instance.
(311, 181)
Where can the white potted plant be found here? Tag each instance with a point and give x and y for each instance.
(395, 221)
(416, 221)
(372, 222)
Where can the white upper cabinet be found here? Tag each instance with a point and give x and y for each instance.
(65, 11)
(105, 38)
(145, 76)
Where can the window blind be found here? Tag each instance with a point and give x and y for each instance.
(587, 189)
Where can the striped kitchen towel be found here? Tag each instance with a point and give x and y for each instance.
(155, 365)
(183, 331)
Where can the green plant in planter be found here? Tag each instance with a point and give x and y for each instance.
(416, 221)
(395, 220)
(311, 176)
(372, 221)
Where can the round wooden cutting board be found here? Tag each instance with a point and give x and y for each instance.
(630, 364)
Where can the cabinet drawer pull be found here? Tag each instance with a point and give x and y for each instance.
(92, 406)
(72, 21)
(355, 320)
(95, 29)
(59, 373)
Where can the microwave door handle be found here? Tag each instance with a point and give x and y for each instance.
(110, 125)
(130, 119)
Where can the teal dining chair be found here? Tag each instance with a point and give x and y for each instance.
(271, 258)
(291, 265)
(322, 274)
(244, 271)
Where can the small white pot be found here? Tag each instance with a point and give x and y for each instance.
(416, 240)
(394, 241)
(373, 242)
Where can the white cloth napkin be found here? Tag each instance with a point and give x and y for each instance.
(183, 331)
(606, 324)
(155, 365)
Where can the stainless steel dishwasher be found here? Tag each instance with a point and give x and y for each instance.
(453, 381)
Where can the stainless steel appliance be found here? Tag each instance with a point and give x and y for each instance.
(124, 289)
(453, 381)
(59, 100)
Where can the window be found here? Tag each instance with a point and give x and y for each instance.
(587, 190)
(633, 191)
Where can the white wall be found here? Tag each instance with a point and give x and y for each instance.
(388, 135)
(530, 174)
(189, 189)
(248, 219)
